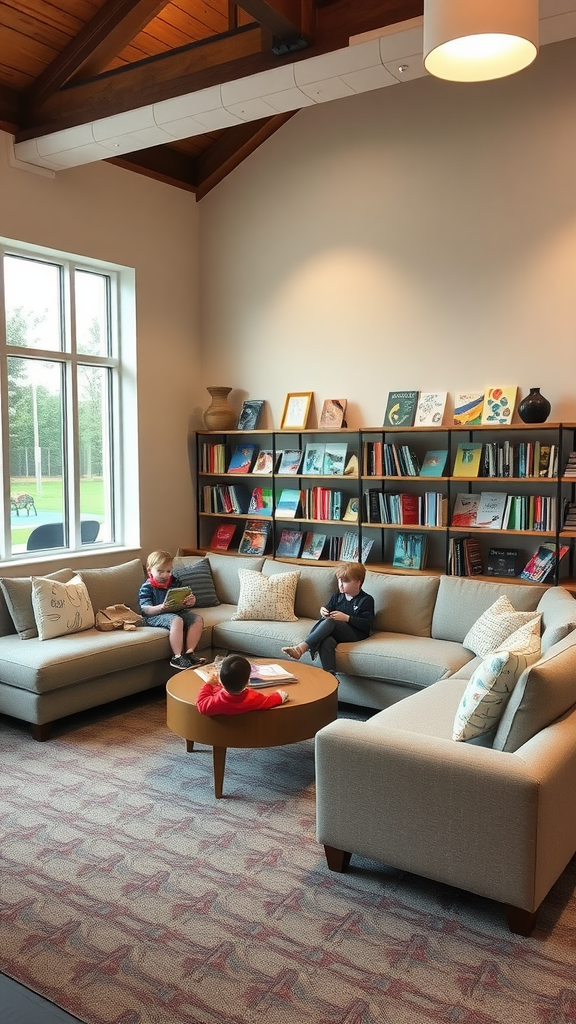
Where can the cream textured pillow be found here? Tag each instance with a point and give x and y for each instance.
(491, 631)
(60, 608)
(267, 597)
(487, 693)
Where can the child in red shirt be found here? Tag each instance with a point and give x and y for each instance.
(232, 695)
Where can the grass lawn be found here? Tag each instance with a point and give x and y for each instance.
(51, 500)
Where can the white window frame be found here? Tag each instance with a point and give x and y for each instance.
(121, 363)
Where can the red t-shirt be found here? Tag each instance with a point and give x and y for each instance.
(213, 699)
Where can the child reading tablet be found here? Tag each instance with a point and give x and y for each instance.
(184, 626)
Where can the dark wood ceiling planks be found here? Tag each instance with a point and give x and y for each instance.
(69, 62)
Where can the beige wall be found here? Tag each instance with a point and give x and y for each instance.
(422, 236)
(108, 213)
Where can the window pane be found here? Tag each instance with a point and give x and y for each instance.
(33, 303)
(95, 460)
(91, 313)
(36, 460)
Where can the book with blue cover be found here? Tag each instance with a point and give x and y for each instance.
(242, 458)
(287, 505)
(434, 463)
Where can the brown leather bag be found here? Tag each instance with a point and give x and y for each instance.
(117, 616)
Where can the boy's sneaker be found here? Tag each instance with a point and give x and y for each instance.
(194, 659)
(180, 661)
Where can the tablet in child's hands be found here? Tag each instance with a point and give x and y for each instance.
(175, 598)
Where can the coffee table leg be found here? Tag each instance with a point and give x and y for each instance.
(219, 761)
(189, 746)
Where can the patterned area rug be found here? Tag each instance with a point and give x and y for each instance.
(130, 895)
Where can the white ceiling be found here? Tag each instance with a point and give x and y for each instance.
(371, 61)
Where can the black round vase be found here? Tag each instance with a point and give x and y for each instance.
(534, 408)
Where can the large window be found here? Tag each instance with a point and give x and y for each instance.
(60, 403)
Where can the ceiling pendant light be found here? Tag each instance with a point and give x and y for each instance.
(477, 40)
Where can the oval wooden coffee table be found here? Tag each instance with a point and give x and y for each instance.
(313, 703)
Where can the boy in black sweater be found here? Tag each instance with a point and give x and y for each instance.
(347, 617)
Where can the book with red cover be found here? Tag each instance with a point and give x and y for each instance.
(222, 536)
(409, 509)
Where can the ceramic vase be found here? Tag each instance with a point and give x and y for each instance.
(534, 408)
(220, 415)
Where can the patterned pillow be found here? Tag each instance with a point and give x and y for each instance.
(199, 578)
(490, 632)
(487, 693)
(267, 597)
(60, 608)
(18, 594)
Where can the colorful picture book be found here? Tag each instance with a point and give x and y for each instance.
(543, 563)
(313, 545)
(468, 406)
(242, 458)
(491, 509)
(264, 464)
(261, 502)
(289, 544)
(430, 409)
(335, 459)
(409, 550)
(499, 405)
(290, 460)
(254, 538)
(467, 461)
(333, 413)
(222, 536)
(401, 408)
(287, 504)
(434, 463)
(314, 459)
(465, 510)
(250, 413)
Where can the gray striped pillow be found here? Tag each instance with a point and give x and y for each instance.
(199, 578)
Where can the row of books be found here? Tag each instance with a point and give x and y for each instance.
(429, 509)
(381, 458)
(505, 459)
(465, 557)
(497, 510)
(315, 460)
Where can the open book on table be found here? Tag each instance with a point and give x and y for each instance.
(269, 675)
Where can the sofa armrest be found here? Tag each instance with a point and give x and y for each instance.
(500, 825)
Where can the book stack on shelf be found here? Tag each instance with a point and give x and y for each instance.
(213, 458)
(570, 469)
(322, 503)
(429, 509)
(224, 499)
(384, 459)
(527, 459)
(465, 557)
(569, 515)
(530, 512)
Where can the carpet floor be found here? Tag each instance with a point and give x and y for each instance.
(130, 895)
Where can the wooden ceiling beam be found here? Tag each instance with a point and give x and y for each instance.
(233, 146)
(203, 64)
(163, 163)
(106, 34)
(286, 19)
(10, 109)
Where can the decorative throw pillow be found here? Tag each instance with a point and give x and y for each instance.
(60, 608)
(18, 594)
(554, 634)
(488, 692)
(525, 640)
(490, 632)
(267, 597)
(199, 578)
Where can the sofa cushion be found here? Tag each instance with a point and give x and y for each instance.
(199, 578)
(396, 657)
(225, 574)
(263, 639)
(60, 608)
(403, 604)
(544, 692)
(315, 587)
(558, 609)
(495, 625)
(488, 692)
(267, 597)
(114, 584)
(18, 594)
(461, 601)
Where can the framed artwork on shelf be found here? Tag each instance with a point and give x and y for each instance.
(296, 409)
(333, 413)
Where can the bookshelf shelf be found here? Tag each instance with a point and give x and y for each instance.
(435, 495)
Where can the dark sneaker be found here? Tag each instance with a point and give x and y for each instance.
(194, 659)
(180, 661)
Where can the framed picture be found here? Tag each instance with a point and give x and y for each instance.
(333, 412)
(296, 408)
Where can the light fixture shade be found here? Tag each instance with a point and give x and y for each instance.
(477, 40)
